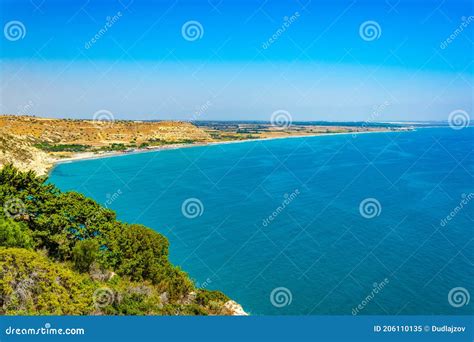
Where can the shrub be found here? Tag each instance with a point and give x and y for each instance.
(84, 253)
(30, 284)
(14, 234)
(138, 252)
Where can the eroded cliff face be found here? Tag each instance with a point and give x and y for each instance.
(100, 132)
(21, 136)
(20, 151)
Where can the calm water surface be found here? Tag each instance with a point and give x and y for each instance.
(318, 251)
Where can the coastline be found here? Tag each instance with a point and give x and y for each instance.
(92, 155)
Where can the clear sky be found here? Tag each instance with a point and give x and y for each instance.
(239, 60)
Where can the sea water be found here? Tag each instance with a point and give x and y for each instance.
(377, 223)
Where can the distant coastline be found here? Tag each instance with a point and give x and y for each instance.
(38, 144)
(93, 155)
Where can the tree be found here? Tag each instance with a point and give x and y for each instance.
(84, 254)
(138, 251)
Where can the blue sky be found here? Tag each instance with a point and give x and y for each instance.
(319, 66)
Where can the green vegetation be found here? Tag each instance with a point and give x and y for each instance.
(160, 142)
(218, 136)
(64, 254)
(33, 285)
(62, 147)
(116, 147)
(45, 146)
(14, 234)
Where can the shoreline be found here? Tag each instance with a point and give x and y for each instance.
(83, 156)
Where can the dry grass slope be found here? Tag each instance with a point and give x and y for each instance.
(91, 133)
(21, 135)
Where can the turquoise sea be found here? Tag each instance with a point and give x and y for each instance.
(340, 224)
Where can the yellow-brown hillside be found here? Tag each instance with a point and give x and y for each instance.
(100, 133)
